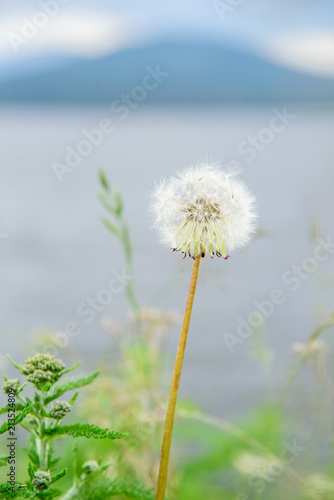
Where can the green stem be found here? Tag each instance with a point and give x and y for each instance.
(129, 287)
(163, 471)
(42, 445)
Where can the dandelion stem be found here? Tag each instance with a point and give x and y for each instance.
(163, 471)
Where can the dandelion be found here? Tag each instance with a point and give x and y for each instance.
(203, 211)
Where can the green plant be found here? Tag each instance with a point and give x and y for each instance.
(112, 201)
(42, 417)
(129, 393)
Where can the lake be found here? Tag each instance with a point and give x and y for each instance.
(55, 253)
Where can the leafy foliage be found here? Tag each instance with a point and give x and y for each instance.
(111, 199)
(18, 418)
(83, 430)
(69, 385)
(3, 461)
(20, 491)
(99, 488)
(44, 427)
(6, 408)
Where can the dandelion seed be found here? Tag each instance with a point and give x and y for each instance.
(199, 212)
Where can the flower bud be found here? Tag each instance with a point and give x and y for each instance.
(59, 409)
(11, 386)
(88, 467)
(41, 481)
(42, 369)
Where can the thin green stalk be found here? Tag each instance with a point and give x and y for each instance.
(167, 438)
(42, 445)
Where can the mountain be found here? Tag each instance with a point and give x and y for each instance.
(23, 67)
(198, 73)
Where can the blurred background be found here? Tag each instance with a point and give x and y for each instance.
(140, 90)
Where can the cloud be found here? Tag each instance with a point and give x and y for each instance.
(311, 52)
(70, 32)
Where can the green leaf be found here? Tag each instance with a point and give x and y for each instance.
(22, 492)
(37, 403)
(98, 488)
(31, 470)
(12, 362)
(46, 387)
(112, 227)
(18, 418)
(68, 385)
(71, 369)
(73, 398)
(83, 430)
(97, 472)
(6, 408)
(32, 451)
(58, 476)
(52, 461)
(49, 493)
(132, 490)
(3, 461)
(103, 180)
(106, 201)
(118, 202)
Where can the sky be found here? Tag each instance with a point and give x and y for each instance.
(297, 34)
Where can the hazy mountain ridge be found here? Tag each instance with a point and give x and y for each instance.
(197, 73)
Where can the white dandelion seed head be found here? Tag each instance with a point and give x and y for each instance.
(204, 210)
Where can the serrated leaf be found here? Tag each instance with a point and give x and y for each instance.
(31, 470)
(68, 385)
(22, 492)
(50, 493)
(96, 488)
(52, 461)
(6, 408)
(83, 430)
(131, 489)
(32, 451)
(58, 476)
(18, 418)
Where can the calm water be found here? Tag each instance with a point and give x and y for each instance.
(57, 253)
